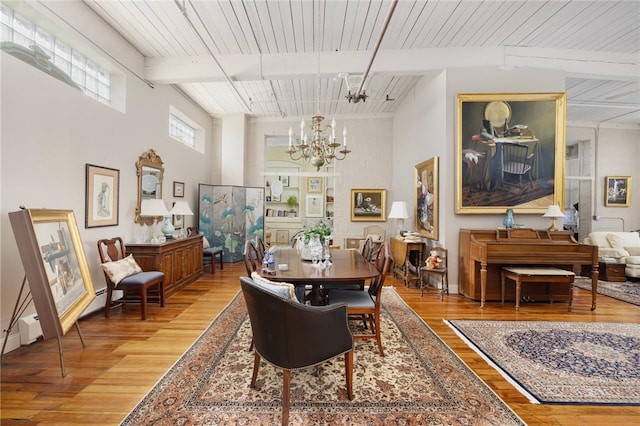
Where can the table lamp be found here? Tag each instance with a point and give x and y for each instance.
(153, 207)
(554, 213)
(399, 212)
(180, 208)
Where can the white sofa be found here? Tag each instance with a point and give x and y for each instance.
(624, 247)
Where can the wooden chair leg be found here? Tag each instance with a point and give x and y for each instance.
(161, 290)
(143, 302)
(221, 261)
(107, 305)
(256, 366)
(348, 365)
(378, 333)
(286, 396)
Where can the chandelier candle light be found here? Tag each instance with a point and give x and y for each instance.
(554, 213)
(320, 150)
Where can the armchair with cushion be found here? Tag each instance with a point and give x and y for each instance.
(621, 247)
(291, 336)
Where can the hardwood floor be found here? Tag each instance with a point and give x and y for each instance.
(125, 357)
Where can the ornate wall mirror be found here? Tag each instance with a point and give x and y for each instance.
(150, 172)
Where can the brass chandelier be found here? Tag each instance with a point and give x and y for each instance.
(321, 149)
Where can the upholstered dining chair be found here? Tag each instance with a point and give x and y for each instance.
(440, 272)
(290, 335)
(365, 305)
(209, 254)
(122, 272)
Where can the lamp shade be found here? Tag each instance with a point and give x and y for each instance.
(398, 210)
(153, 207)
(181, 208)
(554, 211)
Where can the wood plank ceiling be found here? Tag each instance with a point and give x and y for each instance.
(285, 58)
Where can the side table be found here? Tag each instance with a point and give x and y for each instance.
(607, 271)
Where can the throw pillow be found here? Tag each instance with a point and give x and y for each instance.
(633, 251)
(205, 242)
(624, 239)
(375, 238)
(286, 290)
(121, 269)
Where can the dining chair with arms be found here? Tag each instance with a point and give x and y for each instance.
(123, 273)
(291, 336)
(517, 161)
(365, 305)
(209, 254)
(440, 272)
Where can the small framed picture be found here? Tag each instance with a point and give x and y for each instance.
(314, 185)
(314, 206)
(284, 180)
(178, 189)
(101, 197)
(618, 191)
(178, 220)
(368, 205)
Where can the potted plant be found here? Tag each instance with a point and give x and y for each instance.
(292, 201)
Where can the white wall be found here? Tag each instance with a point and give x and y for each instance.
(617, 153)
(50, 131)
(369, 165)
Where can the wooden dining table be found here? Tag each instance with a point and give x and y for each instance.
(348, 267)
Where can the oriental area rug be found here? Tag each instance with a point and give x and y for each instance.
(626, 291)
(561, 362)
(418, 381)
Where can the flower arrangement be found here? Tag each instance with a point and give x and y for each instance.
(322, 229)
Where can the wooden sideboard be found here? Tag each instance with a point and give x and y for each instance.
(179, 259)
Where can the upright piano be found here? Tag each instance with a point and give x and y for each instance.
(484, 252)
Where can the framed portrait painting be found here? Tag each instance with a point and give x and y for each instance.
(510, 152)
(617, 191)
(55, 266)
(101, 196)
(426, 202)
(368, 205)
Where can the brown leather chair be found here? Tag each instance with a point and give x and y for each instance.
(365, 305)
(135, 288)
(290, 335)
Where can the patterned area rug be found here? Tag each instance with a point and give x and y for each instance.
(627, 291)
(561, 362)
(418, 381)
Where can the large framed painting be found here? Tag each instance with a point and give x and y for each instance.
(426, 204)
(510, 152)
(368, 205)
(101, 196)
(55, 266)
(617, 191)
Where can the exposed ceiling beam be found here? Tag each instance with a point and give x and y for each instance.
(176, 70)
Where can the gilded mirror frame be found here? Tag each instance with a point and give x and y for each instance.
(149, 164)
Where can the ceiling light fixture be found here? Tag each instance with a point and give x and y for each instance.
(321, 149)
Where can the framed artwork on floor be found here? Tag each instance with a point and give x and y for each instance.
(102, 192)
(510, 152)
(55, 266)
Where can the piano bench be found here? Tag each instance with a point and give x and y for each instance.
(536, 275)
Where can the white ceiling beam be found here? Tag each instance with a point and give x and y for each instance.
(176, 70)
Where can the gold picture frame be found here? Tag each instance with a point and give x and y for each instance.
(314, 185)
(425, 209)
(55, 266)
(617, 191)
(368, 205)
(489, 126)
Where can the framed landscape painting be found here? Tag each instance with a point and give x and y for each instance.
(510, 152)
